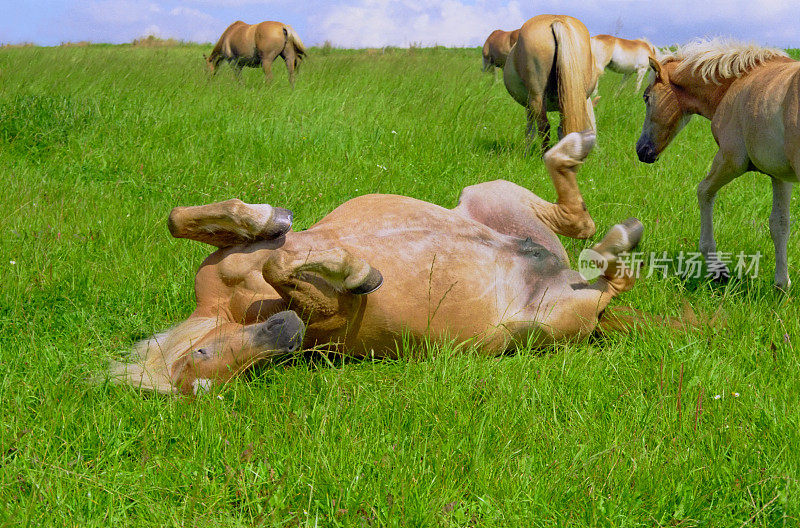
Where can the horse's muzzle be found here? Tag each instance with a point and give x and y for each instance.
(283, 332)
(646, 150)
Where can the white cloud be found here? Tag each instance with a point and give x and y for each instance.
(375, 23)
(124, 20)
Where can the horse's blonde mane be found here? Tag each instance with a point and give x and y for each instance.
(720, 58)
(152, 359)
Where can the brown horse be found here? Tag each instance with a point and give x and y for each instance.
(258, 45)
(381, 269)
(551, 68)
(752, 97)
(623, 56)
(496, 48)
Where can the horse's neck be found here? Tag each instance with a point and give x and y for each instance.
(699, 96)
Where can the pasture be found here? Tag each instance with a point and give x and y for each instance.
(655, 428)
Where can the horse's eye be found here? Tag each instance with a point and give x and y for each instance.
(646, 98)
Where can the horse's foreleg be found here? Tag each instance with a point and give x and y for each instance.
(337, 266)
(324, 286)
(640, 75)
(568, 216)
(779, 229)
(229, 223)
(724, 168)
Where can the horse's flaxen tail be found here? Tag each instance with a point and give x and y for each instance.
(624, 319)
(293, 39)
(570, 66)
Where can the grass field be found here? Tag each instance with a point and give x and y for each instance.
(655, 428)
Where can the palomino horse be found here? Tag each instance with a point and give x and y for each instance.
(258, 45)
(496, 48)
(623, 56)
(551, 68)
(383, 269)
(752, 97)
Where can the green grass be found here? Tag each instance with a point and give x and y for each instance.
(98, 143)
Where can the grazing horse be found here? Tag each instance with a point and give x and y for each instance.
(496, 48)
(752, 97)
(551, 68)
(257, 45)
(380, 270)
(623, 56)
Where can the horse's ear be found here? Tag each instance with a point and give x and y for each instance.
(661, 75)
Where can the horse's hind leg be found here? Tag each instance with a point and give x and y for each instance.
(266, 65)
(568, 216)
(513, 210)
(536, 112)
(779, 229)
(229, 223)
(290, 57)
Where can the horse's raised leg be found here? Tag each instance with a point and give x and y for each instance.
(229, 223)
(779, 229)
(323, 285)
(231, 348)
(513, 210)
(568, 216)
(725, 167)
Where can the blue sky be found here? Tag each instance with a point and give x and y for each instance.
(374, 23)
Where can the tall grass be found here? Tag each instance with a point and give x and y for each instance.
(97, 143)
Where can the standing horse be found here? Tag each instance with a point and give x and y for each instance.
(551, 68)
(752, 97)
(383, 269)
(258, 45)
(623, 56)
(496, 48)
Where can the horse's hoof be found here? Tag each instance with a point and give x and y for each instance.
(634, 229)
(621, 237)
(373, 281)
(283, 332)
(278, 225)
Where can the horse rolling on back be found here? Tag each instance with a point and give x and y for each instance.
(496, 48)
(383, 271)
(551, 68)
(623, 56)
(752, 97)
(257, 45)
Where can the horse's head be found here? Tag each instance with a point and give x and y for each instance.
(664, 115)
(228, 349)
(210, 64)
